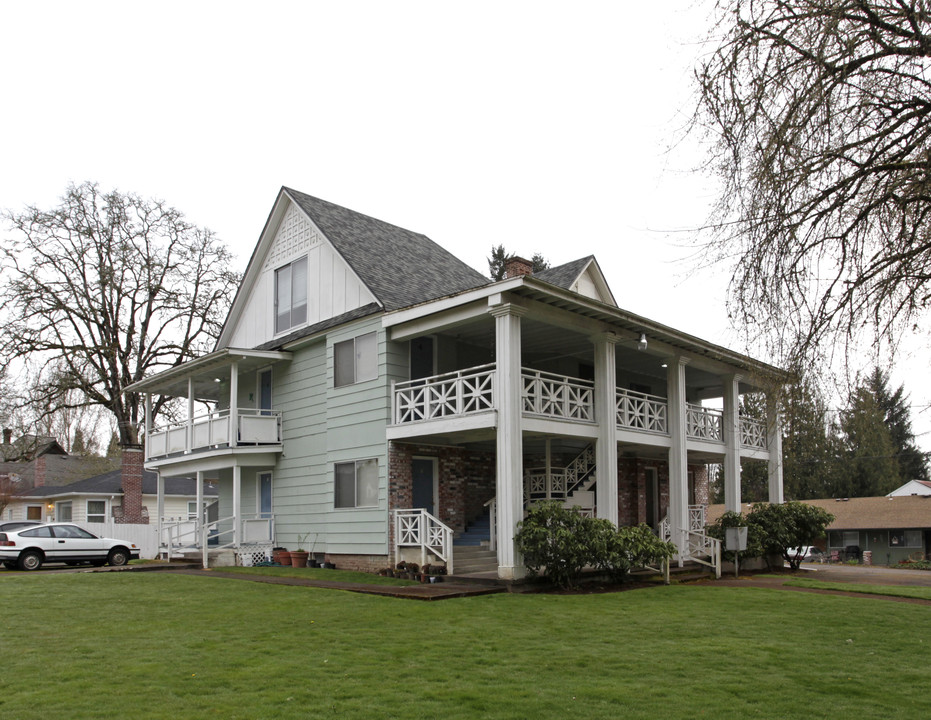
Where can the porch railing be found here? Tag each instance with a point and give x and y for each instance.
(698, 544)
(557, 396)
(252, 427)
(641, 411)
(703, 423)
(441, 396)
(220, 534)
(752, 433)
(417, 528)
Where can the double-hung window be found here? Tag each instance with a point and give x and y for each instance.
(355, 360)
(96, 511)
(291, 295)
(356, 484)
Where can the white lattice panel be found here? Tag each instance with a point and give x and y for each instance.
(295, 236)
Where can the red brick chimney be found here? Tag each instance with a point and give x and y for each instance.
(515, 266)
(131, 474)
(38, 469)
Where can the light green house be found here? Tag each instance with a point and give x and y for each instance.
(372, 396)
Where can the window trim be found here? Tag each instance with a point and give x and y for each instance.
(59, 505)
(291, 322)
(355, 359)
(88, 513)
(355, 499)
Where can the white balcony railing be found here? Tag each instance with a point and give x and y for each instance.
(752, 433)
(252, 427)
(442, 396)
(557, 396)
(703, 423)
(640, 411)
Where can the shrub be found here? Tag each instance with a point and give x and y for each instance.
(617, 550)
(560, 542)
(733, 519)
(557, 539)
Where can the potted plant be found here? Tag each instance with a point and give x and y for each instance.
(299, 556)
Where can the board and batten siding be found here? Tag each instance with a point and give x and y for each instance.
(332, 287)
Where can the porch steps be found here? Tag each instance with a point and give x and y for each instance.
(468, 560)
(476, 534)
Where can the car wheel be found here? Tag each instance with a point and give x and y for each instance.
(30, 560)
(118, 556)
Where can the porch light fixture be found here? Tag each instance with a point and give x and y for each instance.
(216, 380)
(642, 345)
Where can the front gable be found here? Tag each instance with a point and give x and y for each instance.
(582, 276)
(329, 285)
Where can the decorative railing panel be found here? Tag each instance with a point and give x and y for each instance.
(704, 423)
(752, 433)
(557, 396)
(418, 528)
(449, 395)
(640, 411)
(252, 427)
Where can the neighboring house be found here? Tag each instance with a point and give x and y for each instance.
(912, 487)
(372, 392)
(100, 499)
(34, 461)
(892, 529)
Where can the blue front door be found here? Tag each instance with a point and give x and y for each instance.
(422, 470)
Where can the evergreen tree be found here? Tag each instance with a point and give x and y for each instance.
(497, 262)
(871, 465)
(913, 463)
(810, 446)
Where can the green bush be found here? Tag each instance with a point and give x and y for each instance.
(556, 539)
(560, 542)
(775, 529)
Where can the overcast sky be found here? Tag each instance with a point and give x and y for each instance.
(548, 127)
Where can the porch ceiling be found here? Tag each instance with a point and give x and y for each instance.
(208, 373)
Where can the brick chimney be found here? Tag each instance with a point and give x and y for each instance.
(38, 470)
(517, 266)
(131, 474)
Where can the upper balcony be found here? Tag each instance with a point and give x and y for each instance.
(471, 393)
(213, 430)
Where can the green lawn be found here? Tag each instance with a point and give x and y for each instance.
(152, 645)
(908, 591)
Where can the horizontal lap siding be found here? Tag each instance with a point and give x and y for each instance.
(355, 430)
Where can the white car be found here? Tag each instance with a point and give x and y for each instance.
(808, 553)
(29, 547)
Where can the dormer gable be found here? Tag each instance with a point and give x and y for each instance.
(582, 276)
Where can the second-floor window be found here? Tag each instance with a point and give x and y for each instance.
(291, 295)
(355, 360)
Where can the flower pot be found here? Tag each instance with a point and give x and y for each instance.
(284, 557)
(299, 558)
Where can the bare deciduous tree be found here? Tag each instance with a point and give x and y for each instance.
(820, 116)
(105, 288)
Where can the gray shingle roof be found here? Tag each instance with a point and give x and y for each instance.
(564, 275)
(112, 483)
(401, 267)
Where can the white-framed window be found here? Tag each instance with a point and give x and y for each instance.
(63, 511)
(96, 511)
(356, 484)
(291, 295)
(355, 360)
(192, 510)
(842, 539)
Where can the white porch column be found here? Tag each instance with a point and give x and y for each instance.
(510, 446)
(732, 443)
(148, 425)
(189, 434)
(678, 454)
(160, 506)
(199, 523)
(774, 445)
(234, 404)
(606, 417)
(237, 504)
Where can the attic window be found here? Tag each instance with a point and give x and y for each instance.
(291, 295)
